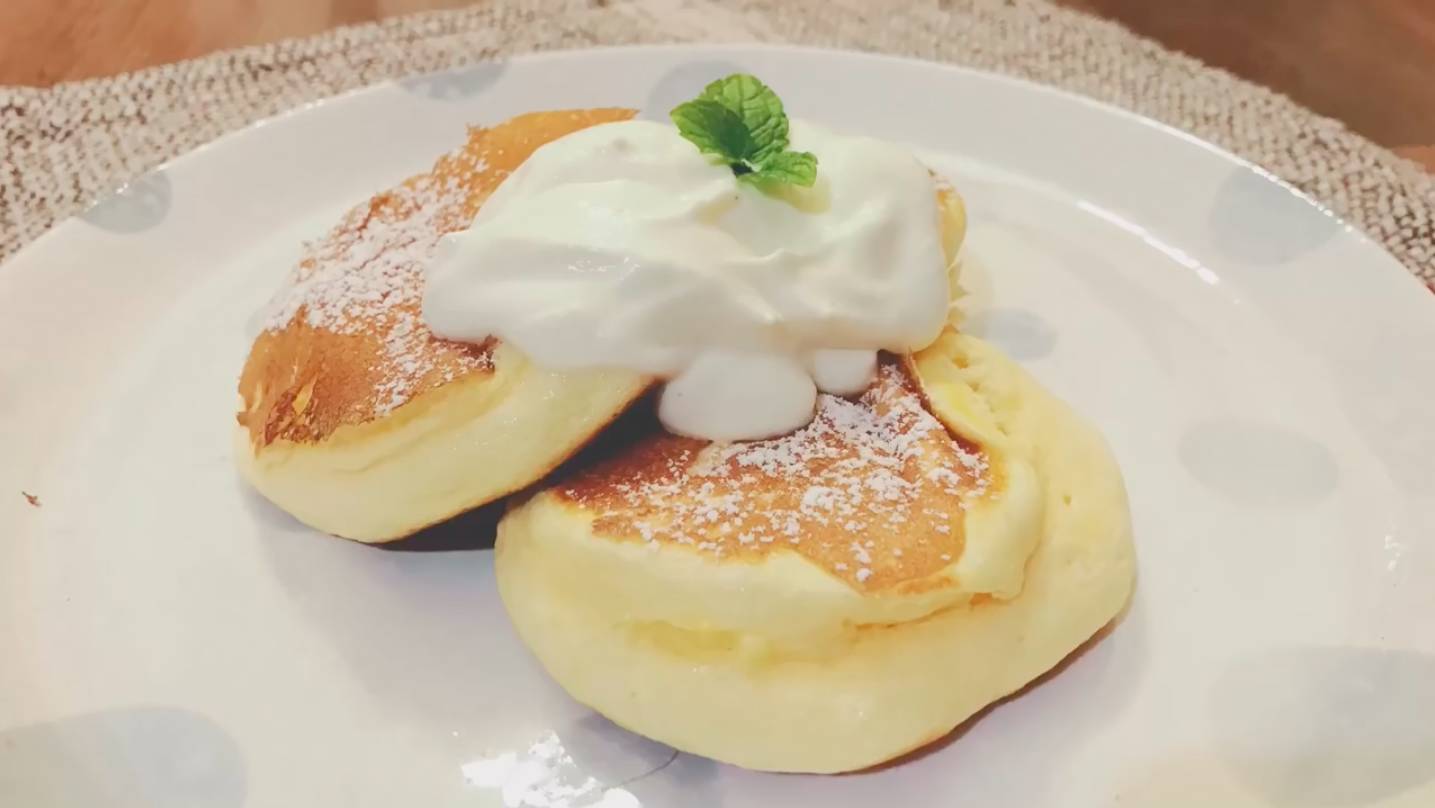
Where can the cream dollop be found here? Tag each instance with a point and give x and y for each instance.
(622, 246)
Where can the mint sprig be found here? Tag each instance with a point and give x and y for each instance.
(740, 120)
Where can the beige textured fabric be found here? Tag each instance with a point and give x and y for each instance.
(62, 148)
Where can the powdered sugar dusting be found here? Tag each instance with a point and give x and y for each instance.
(373, 262)
(366, 277)
(877, 472)
(545, 777)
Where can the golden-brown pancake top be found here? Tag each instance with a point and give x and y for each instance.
(872, 490)
(345, 342)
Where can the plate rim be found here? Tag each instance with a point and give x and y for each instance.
(318, 105)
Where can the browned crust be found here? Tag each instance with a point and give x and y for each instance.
(301, 382)
(610, 485)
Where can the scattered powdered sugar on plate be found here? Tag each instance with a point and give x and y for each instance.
(544, 777)
(879, 471)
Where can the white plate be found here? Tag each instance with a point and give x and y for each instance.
(1264, 373)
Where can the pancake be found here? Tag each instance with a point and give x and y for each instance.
(831, 599)
(359, 421)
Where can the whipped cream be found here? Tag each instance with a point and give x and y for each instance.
(622, 246)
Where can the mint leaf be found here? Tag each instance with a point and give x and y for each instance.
(790, 168)
(714, 129)
(741, 121)
(759, 108)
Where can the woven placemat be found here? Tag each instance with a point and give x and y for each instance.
(64, 147)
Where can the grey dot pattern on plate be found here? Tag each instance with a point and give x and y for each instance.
(455, 85)
(1327, 727)
(686, 780)
(1024, 335)
(612, 755)
(161, 757)
(683, 83)
(1258, 219)
(134, 207)
(1255, 463)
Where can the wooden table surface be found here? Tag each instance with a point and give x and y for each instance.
(1370, 63)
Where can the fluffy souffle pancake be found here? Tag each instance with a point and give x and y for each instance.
(834, 598)
(360, 422)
